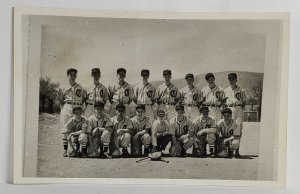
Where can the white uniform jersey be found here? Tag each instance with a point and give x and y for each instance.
(72, 94)
(97, 93)
(235, 96)
(167, 94)
(201, 123)
(190, 96)
(102, 122)
(123, 124)
(140, 125)
(179, 128)
(213, 96)
(121, 93)
(228, 130)
(145, 94)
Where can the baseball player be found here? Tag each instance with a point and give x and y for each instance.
(205, 130)
(141, 132)
(161, 135)
(99, 132)
(236, 101)
(213, 97)
(76, 132)
(122, 92)
(145, 94)
(229, 135)
(97, 93)
(70, 96)
(182, 129)
(167, 95)
(190, 97)
(122, 132)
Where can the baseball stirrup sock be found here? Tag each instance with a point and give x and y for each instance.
(65, 147)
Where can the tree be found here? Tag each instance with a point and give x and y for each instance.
(251, 101)
(258, 90)
(48, 92)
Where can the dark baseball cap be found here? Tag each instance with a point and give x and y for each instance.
(120, 70)
(179, 107)
(95, 71)
(75, 108)
(120, 106)
(208, 75)
(71, 70)
(226, 110)
(232, 75)
(160, 112)
(145, 72)
(203, 109)
(140, 106)
(167, 72)
(99, 104)
(189, 75)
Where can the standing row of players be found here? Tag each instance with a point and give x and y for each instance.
(136, 131)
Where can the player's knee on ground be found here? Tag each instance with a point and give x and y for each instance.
(126, 139)
(83, 139)
(234, 144)
(105, 137)
(146, 139)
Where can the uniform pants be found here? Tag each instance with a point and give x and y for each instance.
(163, 141)
(100, 138)
(138, 141)
(66, 114)
(191, 112)
(201, 142)
(215, 113)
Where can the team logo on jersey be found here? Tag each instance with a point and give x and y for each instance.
(101, 93)
(218, 95)
(207, 126)
(104, 123)
(150, 94)
(78, 92)
(126, 92)
(195, 97)
(231, 132)
(186, 128)
(172, 93)
(238, 96)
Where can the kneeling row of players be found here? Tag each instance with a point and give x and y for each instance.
(104, 137)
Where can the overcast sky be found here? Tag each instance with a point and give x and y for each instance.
(180, 45)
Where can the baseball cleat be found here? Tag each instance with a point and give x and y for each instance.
(65, 153)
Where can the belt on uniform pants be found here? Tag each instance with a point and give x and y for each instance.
(168, 103)
(232, 105)
(212, 105)
(191, 105)
(73, 103)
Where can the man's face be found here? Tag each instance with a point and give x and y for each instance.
(227, 116)
(96, 76)
(77, 114)
(210, 80)
(120, 111)
(167, 77)
(189, 81)
(72, 76)
(161, 116)
(205, 114)
(180, 112)
(98, 110)
(121, 76)
(145, 78)
(140, 112)
(232, 80)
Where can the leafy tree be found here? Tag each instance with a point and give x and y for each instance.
(258, 90)
(48, 92)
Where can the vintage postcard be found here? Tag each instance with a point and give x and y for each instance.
(172, 98)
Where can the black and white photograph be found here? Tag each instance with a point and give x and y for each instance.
(152, 96)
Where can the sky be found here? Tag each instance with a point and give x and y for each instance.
(184, 46)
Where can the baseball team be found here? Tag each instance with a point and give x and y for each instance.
(125, 121)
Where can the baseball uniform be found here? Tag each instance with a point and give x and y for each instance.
(121, 94)
(145, 139)
(203, 138)
(121, 140)
(145, 94)
(100, 138)
(190, 98)
(70, 96)
(235, 100)
(80, 141)
(96, 93)
(167, 97)
(213, 99)
(183, 131)
(227, 130)
(160, 126)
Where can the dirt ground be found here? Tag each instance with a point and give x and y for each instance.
(51, 163)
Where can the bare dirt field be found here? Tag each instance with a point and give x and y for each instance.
(51, 163)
